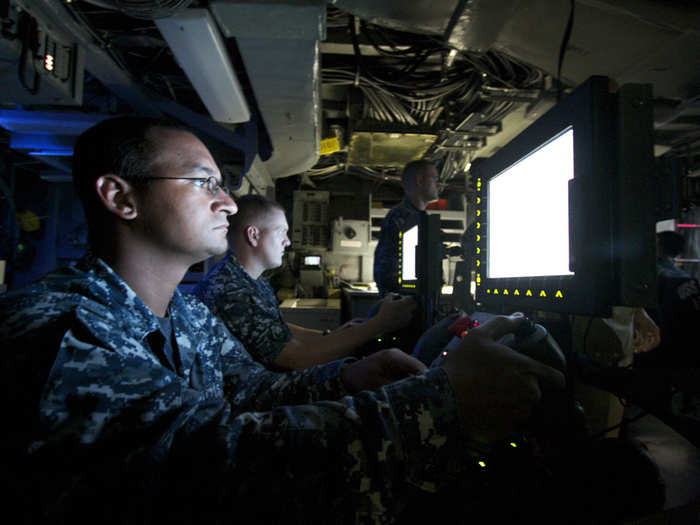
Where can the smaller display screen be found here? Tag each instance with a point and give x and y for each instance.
(528, 213)
(312, 260)
(408, 254)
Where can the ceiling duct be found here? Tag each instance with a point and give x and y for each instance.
(279, 45)
(199, 49)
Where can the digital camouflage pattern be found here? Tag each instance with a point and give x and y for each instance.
(677, 315)
(247, 307)
(386, 255)
(114, 435)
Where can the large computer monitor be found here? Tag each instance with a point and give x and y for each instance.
(565, 210)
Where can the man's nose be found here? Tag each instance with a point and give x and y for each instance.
(224, 202)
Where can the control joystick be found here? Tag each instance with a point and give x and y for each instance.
(533, 340)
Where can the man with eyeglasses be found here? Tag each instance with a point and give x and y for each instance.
(128, 402)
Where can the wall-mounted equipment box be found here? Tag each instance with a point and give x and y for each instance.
(350, 236)
(310, 230)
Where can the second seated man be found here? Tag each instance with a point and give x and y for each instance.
(235, 291)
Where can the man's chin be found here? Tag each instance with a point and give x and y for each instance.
(214, 251)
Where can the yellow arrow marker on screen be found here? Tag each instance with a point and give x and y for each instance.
(558, 294)
(542, 294)
(495, 291)
(516, 292)
(528, 293)
(505, 292)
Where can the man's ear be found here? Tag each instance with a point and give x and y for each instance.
(117, 196)
(252, 235)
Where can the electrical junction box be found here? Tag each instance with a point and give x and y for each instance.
(350, 236)
(39, 65)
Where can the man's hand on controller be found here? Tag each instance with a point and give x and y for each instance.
(395, 312)
(379, 369)
(496, 387)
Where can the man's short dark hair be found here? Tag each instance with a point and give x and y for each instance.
(118, 145)
(251, 208)
(413, 169)
(671, 243)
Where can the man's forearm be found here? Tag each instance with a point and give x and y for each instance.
(313, 349)
(301, 332)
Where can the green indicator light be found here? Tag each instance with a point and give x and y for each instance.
(514, 445)
(482, 464)
(379, 339)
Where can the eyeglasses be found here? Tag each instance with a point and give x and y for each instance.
(212, 184)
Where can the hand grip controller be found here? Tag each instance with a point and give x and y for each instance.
(534, 341)
(558, 416)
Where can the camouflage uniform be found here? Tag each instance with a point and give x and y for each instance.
(117, 436)
(386, 256)
(677, 316)
(247, 307)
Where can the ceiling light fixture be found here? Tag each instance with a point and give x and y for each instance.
(201, 52)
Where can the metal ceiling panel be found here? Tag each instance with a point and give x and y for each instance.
(279, 46)
(608, 40)
(465, 24)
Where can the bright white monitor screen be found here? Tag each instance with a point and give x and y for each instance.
(408, 254)
(312, 260)
(528, 213)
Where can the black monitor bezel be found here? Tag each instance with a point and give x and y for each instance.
(590, 111)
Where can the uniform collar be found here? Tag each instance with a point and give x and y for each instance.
(237, 267)
(108, 288)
